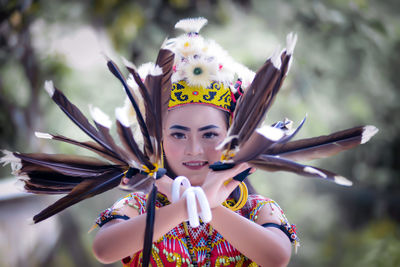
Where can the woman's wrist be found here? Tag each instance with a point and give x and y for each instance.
(182, 209)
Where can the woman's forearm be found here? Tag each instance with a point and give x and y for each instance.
(265, 246)
(124, 238)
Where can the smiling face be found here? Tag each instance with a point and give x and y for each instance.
(190, 135)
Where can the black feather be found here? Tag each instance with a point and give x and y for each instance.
(79, 119)
(150, 218)
(86, 189)
(143, 127)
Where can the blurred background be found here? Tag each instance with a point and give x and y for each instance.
(344, 74)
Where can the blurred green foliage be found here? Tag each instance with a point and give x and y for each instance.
(345, 73)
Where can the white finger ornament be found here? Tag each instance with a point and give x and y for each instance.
(205, 213)
(176, 186)
(191, 207)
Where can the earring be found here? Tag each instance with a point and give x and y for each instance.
(244, 194)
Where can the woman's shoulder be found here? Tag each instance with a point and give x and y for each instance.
(264, 209)
(122, 208)
(256, 203)
(138, 198)
(258, 198)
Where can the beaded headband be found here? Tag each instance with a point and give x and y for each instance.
(215, 94)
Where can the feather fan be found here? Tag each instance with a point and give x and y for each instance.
(76, 115)
(158, 84)
(323, 146)
(142, 124)
(89, 145)
(269, 148)
(86, 189)
(273, 163)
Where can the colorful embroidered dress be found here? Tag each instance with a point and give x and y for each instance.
(173, 249)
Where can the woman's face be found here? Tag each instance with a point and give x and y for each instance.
(191, 134)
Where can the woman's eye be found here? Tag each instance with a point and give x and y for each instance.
(210, 135)
(178, 135)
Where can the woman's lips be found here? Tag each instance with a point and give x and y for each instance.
(195, 165)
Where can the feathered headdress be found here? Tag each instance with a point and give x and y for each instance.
(187, 68)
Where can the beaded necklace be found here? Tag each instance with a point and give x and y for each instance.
(191, 248)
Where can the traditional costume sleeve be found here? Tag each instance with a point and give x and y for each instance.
(134, 200)
(257, 202)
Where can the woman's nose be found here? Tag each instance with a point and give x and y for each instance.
(194, 147)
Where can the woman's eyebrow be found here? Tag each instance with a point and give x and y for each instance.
(211, 126)
(180, 127)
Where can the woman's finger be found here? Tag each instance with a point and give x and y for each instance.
(230, 173)
(231, 185)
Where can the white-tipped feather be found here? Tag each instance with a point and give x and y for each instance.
(225, 141)
(43, 135)
(191, 25)
(122, 117)
(106, 58)
(289, 123)
(149, 68)
(291, 40)
(128, 105)
(368, 132)
(100, 117)
(20, 183)
(9, 158)
(156, 71)
(276, 58)
(289, 66)
(314, 171)
(270, 133)
(168, 44)
(343, 181)
(128, 63)
(49, 87)
(132, 83)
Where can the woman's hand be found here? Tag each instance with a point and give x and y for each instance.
(164, 186)
(218, 185)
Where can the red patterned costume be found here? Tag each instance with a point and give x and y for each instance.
(172, 248)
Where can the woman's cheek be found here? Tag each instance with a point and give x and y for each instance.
(213, 154)
(172, 148)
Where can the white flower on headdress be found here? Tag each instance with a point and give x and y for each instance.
(191, 24)
(199, 71)
(187, 46)
(245, 74)
(225, 72)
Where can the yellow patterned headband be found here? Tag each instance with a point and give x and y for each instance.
(216, 94)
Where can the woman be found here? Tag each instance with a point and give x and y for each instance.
(195, 113)
(196, 122)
